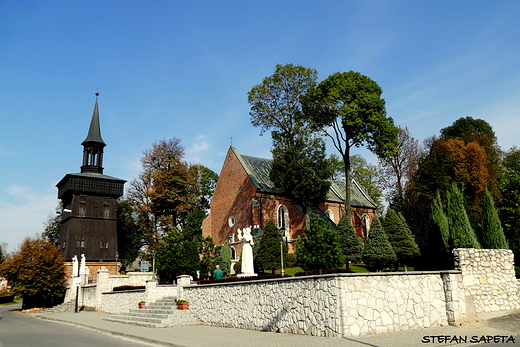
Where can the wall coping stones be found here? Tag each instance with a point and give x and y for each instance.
(337, 274)
(125, 291)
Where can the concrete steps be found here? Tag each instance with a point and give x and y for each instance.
(69, 306)
(160, 314)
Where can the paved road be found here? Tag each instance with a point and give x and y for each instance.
(20, 330)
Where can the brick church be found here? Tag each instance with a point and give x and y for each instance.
(89, 223)
(245, 196)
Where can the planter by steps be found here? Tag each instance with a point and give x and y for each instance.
(141, 304)
(182, 304)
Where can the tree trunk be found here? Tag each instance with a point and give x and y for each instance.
(348, 207)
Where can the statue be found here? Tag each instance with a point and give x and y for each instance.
(74, 266)
(83, 267)
(247, 252)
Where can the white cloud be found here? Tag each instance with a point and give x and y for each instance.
(23, 213)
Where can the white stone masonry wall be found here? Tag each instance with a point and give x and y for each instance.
(298, 306)
(488, 275)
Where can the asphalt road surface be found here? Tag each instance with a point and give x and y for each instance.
(20, 330)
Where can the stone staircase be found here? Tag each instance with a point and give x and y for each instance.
(160, 314)
(69, 306)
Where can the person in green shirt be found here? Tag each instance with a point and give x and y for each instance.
(218, 274)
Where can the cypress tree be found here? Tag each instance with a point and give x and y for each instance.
(440, 222)
(400, 238)
(378, 253)
(492, 233)
(461, 232)
(351, 245)
(225, 258)
(319, 248)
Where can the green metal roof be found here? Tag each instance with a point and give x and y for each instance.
(94, 132)
(258, 170)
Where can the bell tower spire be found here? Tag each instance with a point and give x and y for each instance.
(93, 145)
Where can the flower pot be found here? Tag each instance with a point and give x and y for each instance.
(141, 304)
(182, 305)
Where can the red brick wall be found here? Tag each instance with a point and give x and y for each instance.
(232, 198)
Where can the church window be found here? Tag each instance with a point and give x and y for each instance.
(104, 244)
(330, 214)
(231, 221)
(283, 219)
(233, 253)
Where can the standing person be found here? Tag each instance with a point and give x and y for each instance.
(218, 274)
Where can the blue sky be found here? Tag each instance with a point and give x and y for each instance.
(183, 69)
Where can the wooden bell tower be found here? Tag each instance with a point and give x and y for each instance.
(88, 223)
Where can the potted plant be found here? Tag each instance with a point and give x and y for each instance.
(182, 304)
(141, 304)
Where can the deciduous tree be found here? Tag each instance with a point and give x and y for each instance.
(177, 256)
(36, 272)
(350, 105)
(399, 170)
(299, 168)
(129, 237)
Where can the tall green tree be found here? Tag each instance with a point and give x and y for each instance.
(224, 259)
(400, 238)
(350, 104)
(492, 233)
(299, 168)
(36, 272)
(129, 237)
(267, 255)
(53, 225)
(509, 201)
(209, 253)
(177, 256)
(319, 248)
(351, 245)
(378, 253)
(440, 223)
(462, 234)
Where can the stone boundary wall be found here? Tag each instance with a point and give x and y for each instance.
(291, 305)
(332, 305)
(341, 305)
(119, 302)
(488, 276)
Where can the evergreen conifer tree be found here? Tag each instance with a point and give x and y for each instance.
(351, 245)
(319, 248)
(492, 233)
(440, 222)
(225, 258)
(267, 255)
(378, 253)
(400, 238)
(462, 234)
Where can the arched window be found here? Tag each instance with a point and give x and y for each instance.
(233, 253)
(330, 214)
(283, 219)
(366, 224)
